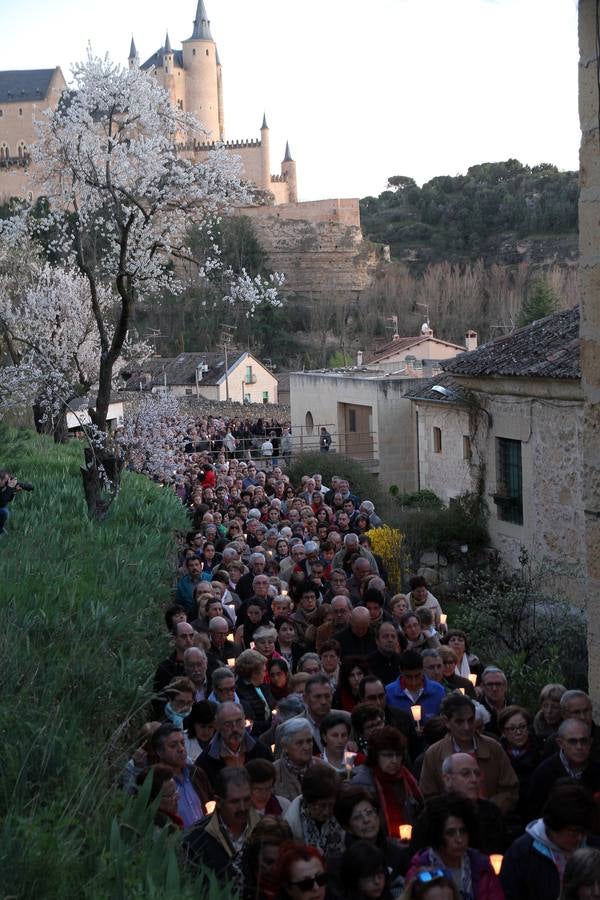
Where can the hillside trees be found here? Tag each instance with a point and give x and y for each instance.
(124, 199)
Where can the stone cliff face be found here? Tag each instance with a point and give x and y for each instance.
(319, 247)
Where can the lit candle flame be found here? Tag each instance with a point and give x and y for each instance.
(249, 723)
(405, 832)
(273, 748)
(473, 679)
(496, 861)
(416, 713)
(231, 662)
(443, 618)
(210, 807)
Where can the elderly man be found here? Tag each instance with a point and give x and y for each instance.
(361, 572)
(217, 842)
(221, 647)
(232, 744)
(577, 705)
(344, 557)
(256, 564)
(296, 560)
(367, 508)
(571, 761)
(494, 687)
(499, 781)
(168, 744)
(341, 607)
(317, 700)
(195, 665)
(461, 775)
(172, 667)
(357, 639)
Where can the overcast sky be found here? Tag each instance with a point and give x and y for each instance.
(363, 89)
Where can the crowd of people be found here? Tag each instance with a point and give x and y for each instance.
(315, 734)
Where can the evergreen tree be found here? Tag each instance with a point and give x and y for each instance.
(541, 301)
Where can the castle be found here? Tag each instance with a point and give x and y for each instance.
(193, 80)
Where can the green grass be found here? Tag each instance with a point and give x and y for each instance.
(81, 632)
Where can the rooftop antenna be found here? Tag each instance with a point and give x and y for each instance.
(425, 327)
(227, 335)
(394, 321)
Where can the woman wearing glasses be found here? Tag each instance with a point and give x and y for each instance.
(301, 873)
(451, 820)
(522, 748)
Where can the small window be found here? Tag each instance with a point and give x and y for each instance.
(189, 392)
(352, 420)
(466, 447)
(309, 422)
(194, 52)
(1, 113)
(265, 396)
(509, 475)
(247, 398)
(20, 111)
(207, 53)
(437, 440)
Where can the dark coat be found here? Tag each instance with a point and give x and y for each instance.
(207, 845)
(167, 670)
(385, 666)
(355, 646)
(548, 773)
(211, 763)
(253, 705)
(526, 873)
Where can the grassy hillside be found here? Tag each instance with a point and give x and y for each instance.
(80, 635)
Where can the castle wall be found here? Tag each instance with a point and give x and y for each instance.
(18, 117)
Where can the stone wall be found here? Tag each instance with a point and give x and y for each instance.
(589, 298)
(318, 246)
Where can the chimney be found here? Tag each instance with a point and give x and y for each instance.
(359, 357)
(471, 340)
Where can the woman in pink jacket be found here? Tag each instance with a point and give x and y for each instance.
(451, 820)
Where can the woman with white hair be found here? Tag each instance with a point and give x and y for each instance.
(295, 739)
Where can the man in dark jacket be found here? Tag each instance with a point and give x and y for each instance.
(572, 761)
(384, 661)
(217, 842)
(231, 741)
(172, 667)
(533, 862)
(357, 639)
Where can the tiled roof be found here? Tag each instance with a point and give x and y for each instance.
(25, 85)
(392, 348)
(452, 391)
(157, 59)
(181, 370)
(548, 348)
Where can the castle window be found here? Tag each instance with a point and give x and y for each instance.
(194, 52)
(166, 70)
(20, 111)
(207, 53)
(1, 113)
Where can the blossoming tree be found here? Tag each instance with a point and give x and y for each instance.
(123, 198)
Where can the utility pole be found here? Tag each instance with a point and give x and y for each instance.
(227, 334)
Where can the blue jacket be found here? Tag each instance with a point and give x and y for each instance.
(429, 701)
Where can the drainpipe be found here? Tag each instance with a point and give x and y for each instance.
(418, 451)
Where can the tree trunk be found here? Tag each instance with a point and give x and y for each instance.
(45, 424)
(101, 476)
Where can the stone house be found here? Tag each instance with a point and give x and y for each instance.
(507, 420)
(367, 414)
(244, 379)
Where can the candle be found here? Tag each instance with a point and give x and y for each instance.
(349, 758)
(461, 690)
(496, 861)
(272, 748)
(249, 723)
(284, 592)
(275, 711)
(210, 807)
(231, 662)
(405, 832)
(443, 618)
(416, 713)
(252, 645)
(473, 679)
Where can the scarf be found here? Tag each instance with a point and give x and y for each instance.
(329, 838)
(399, 797)
(298, 771)
(176, 717)
(464, 668)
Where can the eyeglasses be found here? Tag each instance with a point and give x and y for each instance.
(515, 728)
(307, 884)
(574, 742)
(431, 876)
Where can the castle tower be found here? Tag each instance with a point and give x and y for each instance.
(288, 170)
(134, 59)
(168, 79)
(265, 165)
(203, 75)
(220, 97)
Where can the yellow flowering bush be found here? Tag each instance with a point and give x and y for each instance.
(387, 543)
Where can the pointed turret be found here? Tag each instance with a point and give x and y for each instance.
(288, 156)
(168, 48)
(288, 170)
(201, 24)
(133, 58)
(264, 124)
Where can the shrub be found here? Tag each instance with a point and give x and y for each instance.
(513, 623)
(387, 543)
(430, 527)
